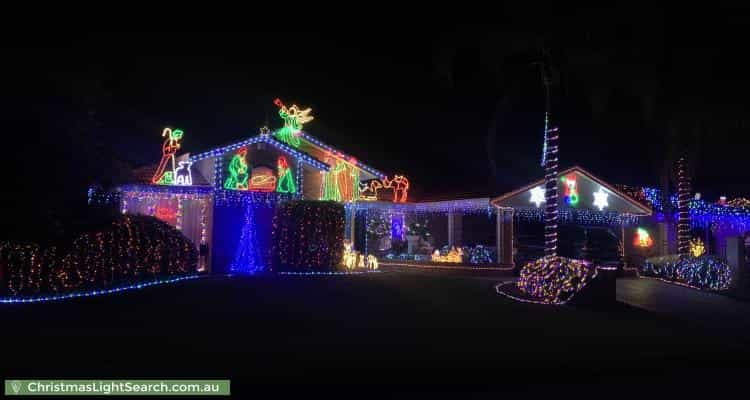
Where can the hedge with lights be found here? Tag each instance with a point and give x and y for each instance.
(705, 272)
(130, 249)
(308, 236)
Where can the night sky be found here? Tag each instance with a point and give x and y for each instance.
(458, 109)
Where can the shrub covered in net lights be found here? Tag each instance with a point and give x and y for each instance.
(132, 248)
(308, 236)
(555, 280)
(705, 272)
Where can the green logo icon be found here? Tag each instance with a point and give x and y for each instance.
(16, 386)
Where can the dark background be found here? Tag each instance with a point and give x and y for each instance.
(457, 108)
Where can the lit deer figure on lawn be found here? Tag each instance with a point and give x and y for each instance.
(168, 150)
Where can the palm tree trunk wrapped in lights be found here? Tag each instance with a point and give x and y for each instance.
(552, 279)
(683, 209)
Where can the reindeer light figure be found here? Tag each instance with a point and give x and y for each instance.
(294, 118)
(168, 150)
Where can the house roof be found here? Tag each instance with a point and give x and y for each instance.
(262, 139)
(341, 156)
(321, 149)
(629, 205)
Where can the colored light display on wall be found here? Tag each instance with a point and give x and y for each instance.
(286, 179)
(600, 199)
(294, 119)
(161, 203)
(238, 172)
(537, 195)
(571, 189)
(642, 238)
(166, 214)
(175, 175)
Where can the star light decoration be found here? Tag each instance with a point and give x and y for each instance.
(264, 131)
(600, 199)
(537, 196)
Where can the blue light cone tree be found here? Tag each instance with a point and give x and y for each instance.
(248, 259)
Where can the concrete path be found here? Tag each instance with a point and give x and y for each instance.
(685, 303)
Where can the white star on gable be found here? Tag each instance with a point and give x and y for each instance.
(600, 199)
(537, 195)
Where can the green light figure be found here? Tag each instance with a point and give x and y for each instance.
(331, 189)
(238, 172)
(294, 119)
(285, 183)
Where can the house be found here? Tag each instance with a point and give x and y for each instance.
(207, 195)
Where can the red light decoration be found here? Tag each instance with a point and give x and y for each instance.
(166, 214)
(571, 189)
